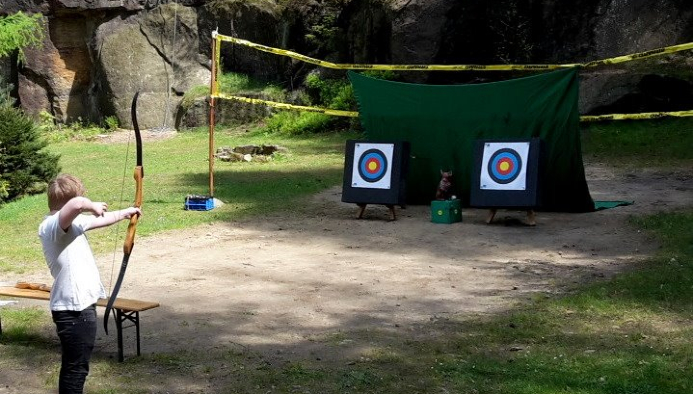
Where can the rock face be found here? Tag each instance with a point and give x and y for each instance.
(98, 53)
(155, 52)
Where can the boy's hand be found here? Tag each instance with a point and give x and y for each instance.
(129, 212)
(99, 208)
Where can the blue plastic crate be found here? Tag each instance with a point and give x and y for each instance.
(199, 203)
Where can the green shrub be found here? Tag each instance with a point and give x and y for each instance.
(297, 123)
(332, 93)
(75, 131)
(24, 166)
(111, 123)
(4, 189)
(326, 93)
(236, 83)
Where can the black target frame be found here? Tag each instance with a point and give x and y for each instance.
(399, 166)
(528, 198)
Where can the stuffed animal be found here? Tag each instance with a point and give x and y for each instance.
(444, 191)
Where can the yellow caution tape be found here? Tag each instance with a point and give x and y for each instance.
(353, 114)
(326, 111)
(641, 55)
(644, 115)
(217, 55)
(403, 67)
(393, 67)
(461, 67)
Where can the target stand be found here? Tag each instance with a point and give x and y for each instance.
(375, 173)
(506, 175)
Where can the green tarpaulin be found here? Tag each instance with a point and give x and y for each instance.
(442, 122)
(600, 205)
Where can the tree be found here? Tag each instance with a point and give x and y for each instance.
(18, 31)
(24, 166)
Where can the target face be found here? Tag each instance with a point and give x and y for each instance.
(372, 165)
(372, 169)
(503, 166)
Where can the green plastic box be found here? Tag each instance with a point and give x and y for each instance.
(446, 211)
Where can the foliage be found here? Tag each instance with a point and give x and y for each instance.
(111, 123)
(79, 130)
(24, 166)
(332, 93)
(241, 83)
(322, 92)
(19, 31)
(4, 187)
(229, 7)
(297, 123)
(338, 93)
(324, 32)
(382, 74)
(511, 27)
(5, 98)
(193, 94)
(234, 84)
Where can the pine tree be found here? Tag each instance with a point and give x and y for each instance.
(18, 31)
(24, 165)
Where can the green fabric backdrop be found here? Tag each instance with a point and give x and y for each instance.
(442, 122)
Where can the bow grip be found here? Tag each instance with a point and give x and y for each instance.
(132, 226)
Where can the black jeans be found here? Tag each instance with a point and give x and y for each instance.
(77, 333)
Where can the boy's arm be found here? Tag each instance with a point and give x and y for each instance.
(109, 218)
(77, 205)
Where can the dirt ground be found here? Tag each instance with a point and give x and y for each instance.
(273, 284)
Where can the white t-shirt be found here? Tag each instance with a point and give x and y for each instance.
(77, 283)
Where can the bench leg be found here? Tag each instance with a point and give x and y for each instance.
(134, 318)
(137, 329)
(120, 316)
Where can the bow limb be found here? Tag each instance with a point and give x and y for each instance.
(132, 226)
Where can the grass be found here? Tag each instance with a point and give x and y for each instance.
(173, 169)
(631, 334)
(646, 143)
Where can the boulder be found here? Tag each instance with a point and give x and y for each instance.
(154, 52)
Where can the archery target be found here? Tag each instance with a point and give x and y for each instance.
(503, 166)
(372, 166)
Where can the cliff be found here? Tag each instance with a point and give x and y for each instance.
(97, 53)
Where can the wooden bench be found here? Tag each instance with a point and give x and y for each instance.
(126, 310)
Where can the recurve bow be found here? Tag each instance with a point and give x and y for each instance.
(132, 226)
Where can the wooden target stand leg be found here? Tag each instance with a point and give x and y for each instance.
(491, 215)
(362, 208)
(531, 216)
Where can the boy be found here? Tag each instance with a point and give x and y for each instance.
(77, 285)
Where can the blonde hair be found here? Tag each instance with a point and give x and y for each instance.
(62, 189)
